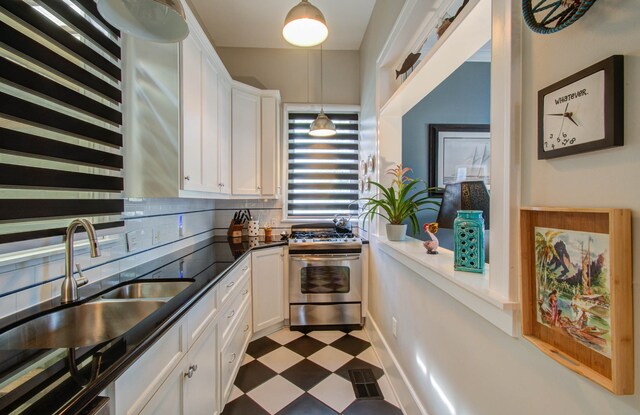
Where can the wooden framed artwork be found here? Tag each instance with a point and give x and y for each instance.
(458, 152)
(583, 112)
(576, 278)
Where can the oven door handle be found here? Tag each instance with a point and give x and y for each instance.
(325, 258)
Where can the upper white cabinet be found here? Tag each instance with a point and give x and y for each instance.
(255, 151)
(224, 136)
(205, 106)
(190, 131)
(245, 127)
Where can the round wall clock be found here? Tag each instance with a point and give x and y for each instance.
(550, 16)
(583, 112)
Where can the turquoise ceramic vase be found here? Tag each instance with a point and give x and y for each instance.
(468, 233)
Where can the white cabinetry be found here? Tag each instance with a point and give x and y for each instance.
(245, 127)
(255, 141)
(224, 135)
(268, 288)
(177, 118)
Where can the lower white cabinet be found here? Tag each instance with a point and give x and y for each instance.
(268, 287)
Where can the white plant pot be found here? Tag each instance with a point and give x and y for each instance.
(396, 232)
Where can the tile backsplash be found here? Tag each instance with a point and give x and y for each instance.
(29, 277)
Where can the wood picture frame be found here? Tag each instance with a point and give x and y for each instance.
(462, 136)
(586, 109)
(577, 303)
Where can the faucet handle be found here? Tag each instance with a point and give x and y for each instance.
(81, 280)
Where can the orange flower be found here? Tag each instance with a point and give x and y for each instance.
(430, 227)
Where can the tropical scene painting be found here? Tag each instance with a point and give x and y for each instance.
(573, 285)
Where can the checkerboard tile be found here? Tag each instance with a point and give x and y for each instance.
(291, 373)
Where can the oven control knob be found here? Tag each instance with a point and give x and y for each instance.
(304, 240)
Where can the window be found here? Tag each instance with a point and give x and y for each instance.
(322, 171)
(60, 118)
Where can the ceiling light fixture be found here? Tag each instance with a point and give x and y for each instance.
(161, 21)
(305, 25)
(322, 126)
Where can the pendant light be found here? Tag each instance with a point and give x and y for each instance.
(305, 25)
(322, 126)
(160, 21)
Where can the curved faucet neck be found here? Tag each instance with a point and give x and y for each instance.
(69, 290)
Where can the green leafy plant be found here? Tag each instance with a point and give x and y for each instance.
(400, 201)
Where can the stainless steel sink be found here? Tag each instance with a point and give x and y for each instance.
(82, 325)
(148, 289)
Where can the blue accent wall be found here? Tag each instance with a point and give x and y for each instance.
(463, 98)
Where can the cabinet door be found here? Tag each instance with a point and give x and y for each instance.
(191, 114)
(209, 155)
(201, 389)
(170, 398)
(269, 146)
(224, 136)
(245, 149)
(268, 287)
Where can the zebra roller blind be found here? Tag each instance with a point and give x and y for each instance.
(60, 118)
(323, 171)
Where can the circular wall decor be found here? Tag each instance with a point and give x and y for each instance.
(550, 16)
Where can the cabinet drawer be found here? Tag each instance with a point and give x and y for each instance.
(201, 314)
(230, 283)
(141, 380)
(232, 352)
(232, 313)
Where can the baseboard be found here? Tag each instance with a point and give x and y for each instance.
(405, 394)
(267, 331)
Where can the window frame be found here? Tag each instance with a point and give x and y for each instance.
(287, 108)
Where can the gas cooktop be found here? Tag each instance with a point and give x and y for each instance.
(323, 238)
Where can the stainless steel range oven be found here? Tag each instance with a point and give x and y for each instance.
(325, 278)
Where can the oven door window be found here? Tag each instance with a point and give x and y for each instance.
(325, 279)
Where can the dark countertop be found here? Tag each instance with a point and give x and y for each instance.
(39, 380)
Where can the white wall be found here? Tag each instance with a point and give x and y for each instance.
(449, 353)
(296, 72)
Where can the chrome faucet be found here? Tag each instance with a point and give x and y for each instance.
(69, 289)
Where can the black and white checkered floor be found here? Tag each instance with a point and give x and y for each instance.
(290, 373)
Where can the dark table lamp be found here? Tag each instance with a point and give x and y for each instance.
(463, 196)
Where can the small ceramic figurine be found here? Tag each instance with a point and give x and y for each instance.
(432, 245)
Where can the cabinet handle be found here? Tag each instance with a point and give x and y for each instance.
(191, 371)
(187, 178)
(246, 267)
(233, 357)
(231, 314)
(245, 292)
(246, 328)
(231, 284)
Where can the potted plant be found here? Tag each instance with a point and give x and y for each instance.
(399, 202)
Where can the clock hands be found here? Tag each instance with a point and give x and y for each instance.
(565, 114)
(562, 125)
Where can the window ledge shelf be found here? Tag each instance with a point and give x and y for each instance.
(470, 289)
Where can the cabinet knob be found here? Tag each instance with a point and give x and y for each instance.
(233, 357)
(259, 188)
(187, 178)
(246, 267)
(191, 371)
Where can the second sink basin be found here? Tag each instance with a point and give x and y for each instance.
(148, 289)
(81, 325)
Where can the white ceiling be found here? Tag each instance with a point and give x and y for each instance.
(258, 23)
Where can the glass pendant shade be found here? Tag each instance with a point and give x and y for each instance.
(322, 126)
(305, 25)
(160, 21)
